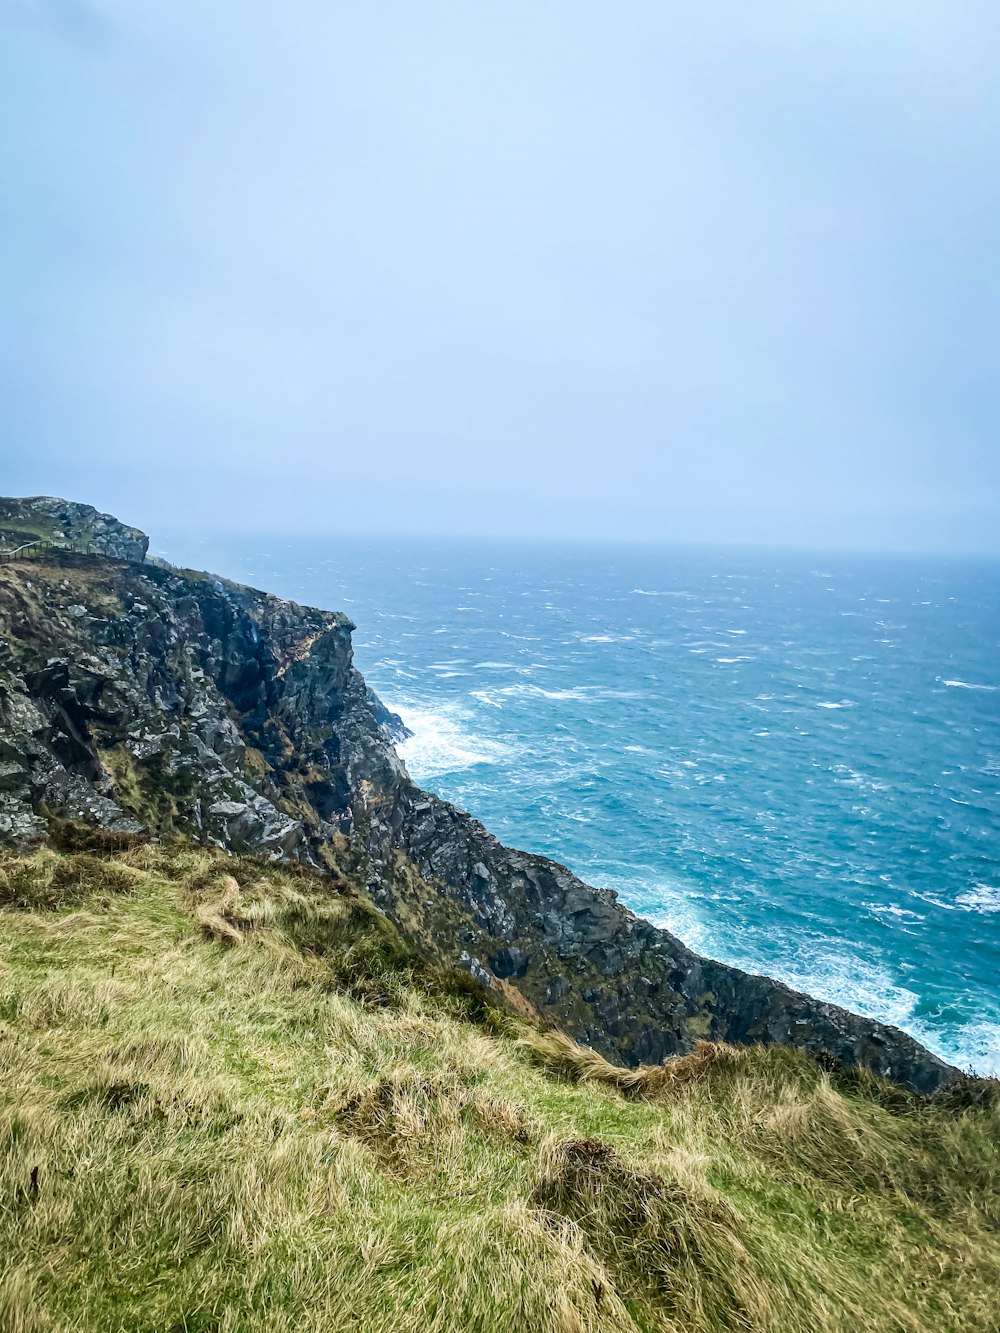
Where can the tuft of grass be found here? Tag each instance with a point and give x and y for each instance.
(231, 1098)
(677, 1242)
(50, 881)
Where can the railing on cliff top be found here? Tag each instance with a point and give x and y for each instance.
(30, 550)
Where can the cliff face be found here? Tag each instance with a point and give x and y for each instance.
(135, 696)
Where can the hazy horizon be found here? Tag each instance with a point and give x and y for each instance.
(165, 528)
(187, 545)
(526, 273)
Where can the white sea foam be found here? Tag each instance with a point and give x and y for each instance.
(576, 692)
(891, 909)
(845, 776)
(966, 685)
(847, 980)
(670, 908)
(484, 698)
(573, 692)
(828, 703)
(653, 592)
(977, 1046)
(934, 901)
(441, 744)
(981, 898)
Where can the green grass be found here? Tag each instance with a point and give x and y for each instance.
(231, 1100)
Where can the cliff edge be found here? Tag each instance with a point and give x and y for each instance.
(136, 696)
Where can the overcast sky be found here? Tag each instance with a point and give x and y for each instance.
(724, 271)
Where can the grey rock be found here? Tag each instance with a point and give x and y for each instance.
(475, 968)
(556, 988)
(75, 524)
(228, 809)
(13, 775)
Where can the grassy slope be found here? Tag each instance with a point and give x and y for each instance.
(228, 1101)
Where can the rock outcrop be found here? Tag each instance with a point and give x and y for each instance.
(66, 523)
(140, 696)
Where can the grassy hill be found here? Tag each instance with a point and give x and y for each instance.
(230, 1099)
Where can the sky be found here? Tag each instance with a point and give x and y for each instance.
(723, 272)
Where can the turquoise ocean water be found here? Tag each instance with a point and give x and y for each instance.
(792, 761)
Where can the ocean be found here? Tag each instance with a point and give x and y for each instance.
(791, 761)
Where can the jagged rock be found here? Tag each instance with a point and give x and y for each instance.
(391, 725)
(46, 517)
(475, 969)
(187, 703)
(13, 775)
(254, 824)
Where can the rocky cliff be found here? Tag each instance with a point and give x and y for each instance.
(44, 519)
(136, 696)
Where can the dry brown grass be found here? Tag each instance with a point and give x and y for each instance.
(231, 1100)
